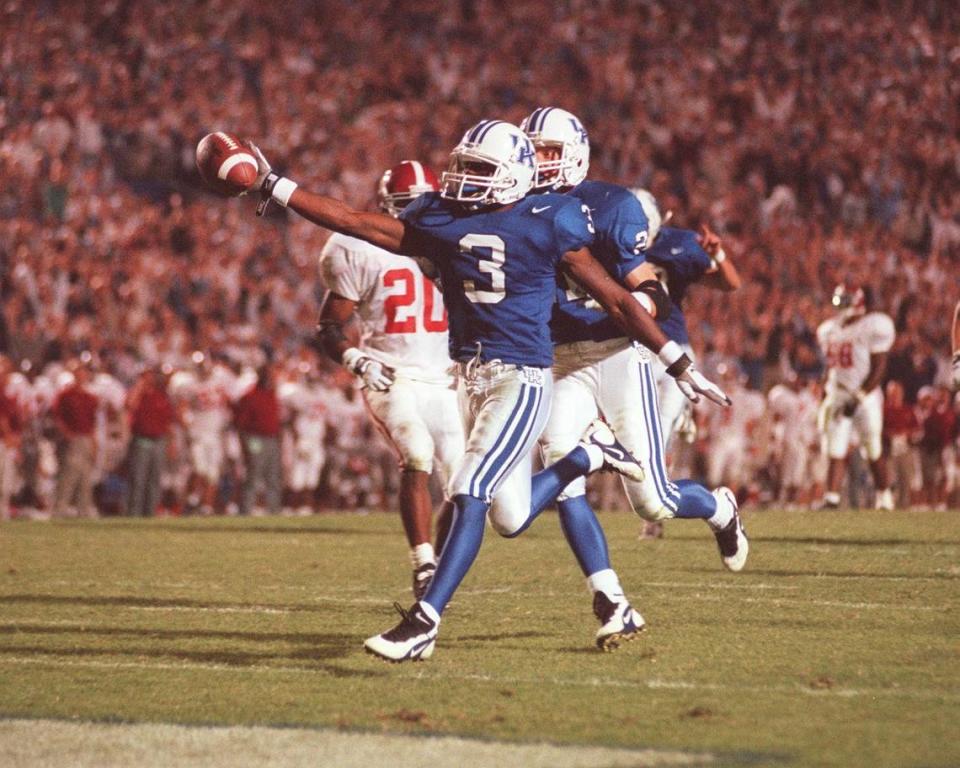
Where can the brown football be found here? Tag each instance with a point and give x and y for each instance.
(225, 165)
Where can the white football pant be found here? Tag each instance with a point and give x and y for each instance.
(422, 422)
(837, 429)
(306, 463)
(613, 379)
(505, 409)
(206, 456)
(673, 402)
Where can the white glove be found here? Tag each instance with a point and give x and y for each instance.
(272, 186)
(374, 374)
(263, 167)
(691, 382)
(956, 370)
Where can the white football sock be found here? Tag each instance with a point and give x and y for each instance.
(422, 554)
(721, 518)
(606, 581)
(595, 453)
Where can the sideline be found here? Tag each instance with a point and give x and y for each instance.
(43, 743)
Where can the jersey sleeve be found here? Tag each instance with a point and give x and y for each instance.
(573, 227)
(342, 270)
(629, 234)
(693, 261)
(417, 242)
(880, 334)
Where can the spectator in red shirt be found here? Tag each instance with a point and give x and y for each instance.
(901, 431)
(938, 423)
(257, 417)
(11, 424)
(152, 418)
(75, 416)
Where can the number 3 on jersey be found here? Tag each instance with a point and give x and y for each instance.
(491, 255)
(400, 308)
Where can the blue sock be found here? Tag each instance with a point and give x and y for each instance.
(695, 500)
(459, 550)
(584, 534)
(548, 483)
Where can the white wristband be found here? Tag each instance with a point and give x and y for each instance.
(282, 190)
(669, 353)
(720, 256)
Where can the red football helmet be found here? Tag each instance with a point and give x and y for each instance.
(850, 299)
(404, 183)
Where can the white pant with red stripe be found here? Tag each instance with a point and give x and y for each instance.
(421, 420)
(505, 409)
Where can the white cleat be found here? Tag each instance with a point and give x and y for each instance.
(732, 539)
(615, 455)
(619, 621)
(412, 639)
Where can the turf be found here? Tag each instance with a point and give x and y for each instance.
(837, 646)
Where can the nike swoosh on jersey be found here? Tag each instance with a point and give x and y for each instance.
(540, 210)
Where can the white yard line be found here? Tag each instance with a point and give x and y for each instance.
(593, 682)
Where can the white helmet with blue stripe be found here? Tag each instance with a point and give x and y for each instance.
(555, 128)
(494, 163)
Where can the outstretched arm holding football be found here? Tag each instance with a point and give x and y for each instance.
(377, 228)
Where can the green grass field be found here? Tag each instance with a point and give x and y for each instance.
(837, 646)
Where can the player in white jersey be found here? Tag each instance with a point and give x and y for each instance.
(855, 343)
(304, 402)
(732, 432)
(401, 359)
(204, 394)
(793, 407)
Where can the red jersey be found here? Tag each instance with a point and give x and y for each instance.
(899, 420)
(76, 407)
(258, 412)
(153, 415)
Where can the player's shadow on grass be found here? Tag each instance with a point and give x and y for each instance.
(314, 639)
(319, 648)
(160, 602)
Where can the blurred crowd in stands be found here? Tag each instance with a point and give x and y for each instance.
(822, 142)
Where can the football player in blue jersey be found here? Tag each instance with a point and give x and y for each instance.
(497, 253)
(599, 369)
(681, 258)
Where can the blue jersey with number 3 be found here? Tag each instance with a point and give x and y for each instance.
(622, 234)
(498, 270)
(681, 260)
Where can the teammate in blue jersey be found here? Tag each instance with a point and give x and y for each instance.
(598, 369)
(498, 255)
(681, 257)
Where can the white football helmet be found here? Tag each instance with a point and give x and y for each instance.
(555, 128)
(494, 163)
(649, 204)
